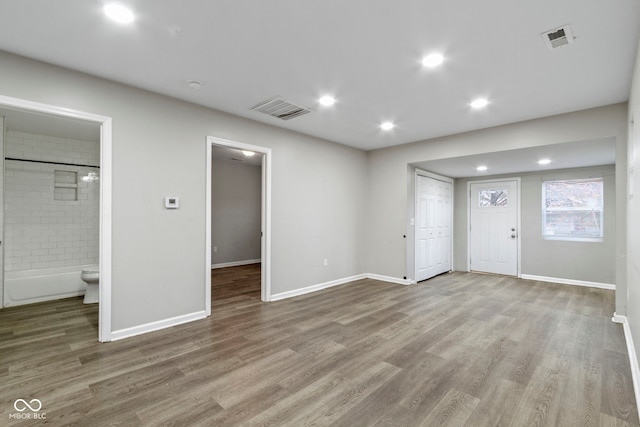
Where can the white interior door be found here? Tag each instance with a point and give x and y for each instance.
(493, 228)
(432, 227)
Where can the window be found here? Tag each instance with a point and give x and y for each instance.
(492, 198)
(572, 209)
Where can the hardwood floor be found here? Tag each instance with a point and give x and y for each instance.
(460, 350)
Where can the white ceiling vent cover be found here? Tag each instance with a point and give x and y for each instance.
(558, 37)
(278, 107)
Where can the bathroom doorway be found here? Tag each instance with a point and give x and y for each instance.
(56, 204)
(251, 241)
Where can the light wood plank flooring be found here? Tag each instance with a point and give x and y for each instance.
(460, 350)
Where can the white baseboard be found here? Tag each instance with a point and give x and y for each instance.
(155, 326)
(390, 279)
(321, 286)
(569, 282)
(236, 263)
(619, 319)
(315, 288)
(633, 357)
(178, 320)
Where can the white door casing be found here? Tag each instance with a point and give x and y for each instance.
(105, 123)
(432, 227)
(494, 227)
(265, 214)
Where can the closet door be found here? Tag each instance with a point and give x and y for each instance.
(432, 227)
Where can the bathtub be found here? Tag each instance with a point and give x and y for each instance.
(29, 286)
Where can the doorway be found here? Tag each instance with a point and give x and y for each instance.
(433, 218)
(265, 214)
(104, 235)
(494, 220)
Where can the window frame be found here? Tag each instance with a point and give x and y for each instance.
(567, 237)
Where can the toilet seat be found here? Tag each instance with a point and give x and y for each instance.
(91, 269)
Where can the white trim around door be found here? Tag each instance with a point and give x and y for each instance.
(104, 308)
(265, 222)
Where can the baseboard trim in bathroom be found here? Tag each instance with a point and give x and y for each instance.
(236, 263)
(155, 326)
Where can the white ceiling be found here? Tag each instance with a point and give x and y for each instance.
(367, 53)
(45, 124)
(595, 152)
(229, 154)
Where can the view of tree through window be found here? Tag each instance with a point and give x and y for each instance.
(572, 209)
(492, 198)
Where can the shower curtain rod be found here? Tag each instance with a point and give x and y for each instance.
(51, 163)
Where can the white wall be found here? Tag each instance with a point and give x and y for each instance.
(236, 194)
(159, 149)
(2, 132)
(633, 243)
(572, 260)
(389, 177)
(40, 231)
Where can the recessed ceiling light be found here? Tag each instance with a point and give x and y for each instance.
(327, 100)
(194, 84)
(479, 103)
(481, 168)
(432, 60)
(544, 161)
(119, 13)
(248, 153)
(387, 126)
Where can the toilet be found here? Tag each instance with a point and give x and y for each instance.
(91, 276)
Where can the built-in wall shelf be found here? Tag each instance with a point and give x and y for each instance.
(65, 185)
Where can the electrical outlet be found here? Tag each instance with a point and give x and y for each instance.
(326, 262)
(215, 249)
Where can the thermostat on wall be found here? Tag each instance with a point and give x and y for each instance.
(171, 202)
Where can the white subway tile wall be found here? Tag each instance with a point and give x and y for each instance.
(41, 232)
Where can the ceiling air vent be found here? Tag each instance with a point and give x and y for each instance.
(278, 107)
(558, 37)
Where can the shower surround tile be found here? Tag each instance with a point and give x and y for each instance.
(41, 232)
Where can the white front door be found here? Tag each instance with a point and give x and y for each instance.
(433, 227)
(493, 228)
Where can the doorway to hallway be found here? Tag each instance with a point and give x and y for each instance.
(263, 232)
